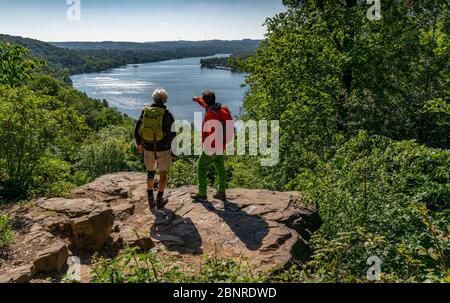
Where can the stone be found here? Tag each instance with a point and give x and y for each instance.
(22, 274)
(52, 259)
(122, 211)
(92, 231)
(73, 208)
(134, 238)
(89, 223)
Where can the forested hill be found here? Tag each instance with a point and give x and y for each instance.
(70, 58)
(215, 46)
(60, 62)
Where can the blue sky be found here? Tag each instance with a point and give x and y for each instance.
(137, 20)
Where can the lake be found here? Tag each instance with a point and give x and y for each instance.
(129, 88)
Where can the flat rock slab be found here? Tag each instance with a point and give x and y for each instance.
(73, 208)
(268, 229)
(264, 227)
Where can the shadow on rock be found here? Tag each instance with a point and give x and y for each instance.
(176, 233)
(250, 229)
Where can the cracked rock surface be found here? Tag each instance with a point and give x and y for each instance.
(268, 229)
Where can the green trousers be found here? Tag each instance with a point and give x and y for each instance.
(203, 164)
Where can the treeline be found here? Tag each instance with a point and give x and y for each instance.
(71, 58)
(214, 46)
(233, 63)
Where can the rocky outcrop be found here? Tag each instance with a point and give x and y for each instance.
(34, 252)
(269, 229)
(87, 223)
(22, 274)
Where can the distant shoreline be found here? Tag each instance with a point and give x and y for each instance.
(136, 65)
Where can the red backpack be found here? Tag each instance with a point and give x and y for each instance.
(225, 116)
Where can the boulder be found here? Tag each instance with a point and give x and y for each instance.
(110, 188)
(33, 253)
(22, 274)
(52, 259)
(134, 238)
(123, 211)
(89, 223)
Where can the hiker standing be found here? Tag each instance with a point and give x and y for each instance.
(213, 151)
(154, 138)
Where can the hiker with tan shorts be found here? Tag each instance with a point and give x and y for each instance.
(154, 138)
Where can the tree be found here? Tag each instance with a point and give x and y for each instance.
(327, 72)
(15, 68)
(28, 130)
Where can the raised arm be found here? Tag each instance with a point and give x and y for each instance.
(200, 102)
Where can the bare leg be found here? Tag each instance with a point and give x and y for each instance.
(162, 181)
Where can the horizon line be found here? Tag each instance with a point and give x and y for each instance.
(150, 41)
(130, 41)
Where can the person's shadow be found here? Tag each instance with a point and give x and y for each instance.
(176, 233)
(250, 229)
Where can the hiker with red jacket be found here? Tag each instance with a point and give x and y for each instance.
(214, 144)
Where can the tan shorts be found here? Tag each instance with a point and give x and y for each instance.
(161, 160)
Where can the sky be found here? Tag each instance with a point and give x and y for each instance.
(136, 20)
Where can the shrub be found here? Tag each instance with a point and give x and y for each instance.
(133, 267)
(109, 152)
(183, 173)
(372, 197)
(30, 130)
(6, 235)
(52, 178)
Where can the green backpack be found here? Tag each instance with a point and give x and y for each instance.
(152, 125)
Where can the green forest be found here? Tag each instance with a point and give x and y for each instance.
(233, 63)
(65, 59)
(364, 115)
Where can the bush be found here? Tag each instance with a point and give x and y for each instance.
(52, 178)
(183, 173)
(247, 172)
(133, 267)
(30, 131)
(111, 151)
(6, 235)
(385, 198)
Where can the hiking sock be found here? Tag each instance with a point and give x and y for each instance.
(160, 201)
(151, 198)
(160, 195)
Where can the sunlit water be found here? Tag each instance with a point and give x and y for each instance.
(129, 88)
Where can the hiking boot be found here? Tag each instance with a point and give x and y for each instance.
(199, 198)
(220, 196)
(151, 199)
(161, 202)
